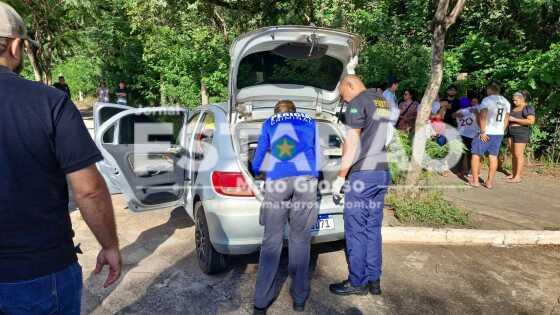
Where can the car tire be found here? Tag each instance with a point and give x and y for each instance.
(210, 261)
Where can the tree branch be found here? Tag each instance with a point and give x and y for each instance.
(221, 23)
(235, 5)
(452, 17)
(441, 11)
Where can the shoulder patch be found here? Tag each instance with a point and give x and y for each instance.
(381, 107)
(381, 103)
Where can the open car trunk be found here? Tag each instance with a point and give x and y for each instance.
(247, 136)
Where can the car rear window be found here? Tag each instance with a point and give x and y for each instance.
(269, 68)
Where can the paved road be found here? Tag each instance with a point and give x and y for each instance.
(162, 276)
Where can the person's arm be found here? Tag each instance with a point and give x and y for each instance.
(530, 120)
(458, 114)
(482, 115)
(402, 108)
(349, 150)
(263, 147)
(93, 199)
(441, 113)
(355, 122)
(77, 155)
(506, 121)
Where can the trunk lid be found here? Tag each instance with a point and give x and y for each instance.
(290, 62)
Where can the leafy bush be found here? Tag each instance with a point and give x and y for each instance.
(402, 148)
(80, 73)
(427, 208)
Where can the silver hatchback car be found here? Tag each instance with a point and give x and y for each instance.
(200, 158)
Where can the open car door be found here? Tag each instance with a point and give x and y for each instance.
(101, 113)
(145, 148)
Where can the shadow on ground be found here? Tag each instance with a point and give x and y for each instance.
(147, 243)
(176, 292)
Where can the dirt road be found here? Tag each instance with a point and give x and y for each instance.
(162, 276)
(533, 204)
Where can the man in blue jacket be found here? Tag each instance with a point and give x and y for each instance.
(286, 154)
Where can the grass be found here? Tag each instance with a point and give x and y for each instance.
(428, 208)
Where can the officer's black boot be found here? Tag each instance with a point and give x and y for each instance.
(346, 288)
(259, 311)
(299, 307)
(375, 287)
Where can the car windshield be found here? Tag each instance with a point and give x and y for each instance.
(268, 67)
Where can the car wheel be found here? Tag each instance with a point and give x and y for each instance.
(209, 260)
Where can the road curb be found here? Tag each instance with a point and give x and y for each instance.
(420, 235)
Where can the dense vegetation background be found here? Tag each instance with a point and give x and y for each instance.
(167, 50)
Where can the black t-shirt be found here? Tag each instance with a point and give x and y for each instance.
(370, 112)
(122, 95)
(42, 138)
(64, 88)
(455, 106)
(523, 114)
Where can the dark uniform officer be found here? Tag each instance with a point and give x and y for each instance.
(286, 153)
(369, 119)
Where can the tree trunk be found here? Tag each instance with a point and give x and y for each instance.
(204, 97)
(421, 135)
(34, 64)
(162, 93)
(442, 21)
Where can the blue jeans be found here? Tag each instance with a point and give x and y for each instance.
(363, 215)
(59, 293)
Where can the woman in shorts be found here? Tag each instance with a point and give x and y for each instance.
(522, 116)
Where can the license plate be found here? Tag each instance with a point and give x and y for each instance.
(324, 222)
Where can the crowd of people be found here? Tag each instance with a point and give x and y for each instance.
(481, 123)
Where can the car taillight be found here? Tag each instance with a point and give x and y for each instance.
(231, 184)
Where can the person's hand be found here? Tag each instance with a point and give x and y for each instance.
(112, 258)
(484, 137)
(337, 186)
(512, 119)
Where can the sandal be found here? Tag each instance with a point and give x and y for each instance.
(513, 181)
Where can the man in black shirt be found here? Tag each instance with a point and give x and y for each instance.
(43, 143)
(454, 104)
(122, 94)
(61, 85)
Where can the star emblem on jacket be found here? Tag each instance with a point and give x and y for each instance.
(284, 148)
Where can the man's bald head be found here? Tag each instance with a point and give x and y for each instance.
(350, 87)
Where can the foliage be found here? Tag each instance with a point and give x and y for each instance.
(402, 148)
(80, 72)
(427, 208)
(168, 49)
